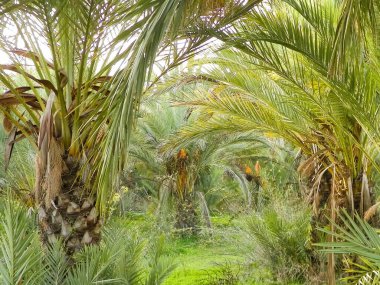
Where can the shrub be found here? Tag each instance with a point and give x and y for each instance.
(279, 236)
(225, 274)
(121, 258)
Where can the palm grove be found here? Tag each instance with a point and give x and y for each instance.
(296, 77)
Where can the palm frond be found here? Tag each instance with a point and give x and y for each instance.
(56, 265)
(19, 247)
(356, 237)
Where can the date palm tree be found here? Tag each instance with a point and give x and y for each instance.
(162, 163)
(72, 76)
(281, 79)
(307, 72)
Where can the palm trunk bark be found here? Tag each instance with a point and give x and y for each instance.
(336, 193)
(320, 200)
(182, 188)
(186, 216)
(66, 206)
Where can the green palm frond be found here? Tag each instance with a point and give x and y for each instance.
(129, 250)
(280, 239)
(274, 78)
(160, 264)
(19, 247)
(20, 171)
(370, 278)
(356, 237)
(357, 20)
(56, 265)
(164, 23)
(93, 266)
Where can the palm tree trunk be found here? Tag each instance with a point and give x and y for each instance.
(335, 193)
(186, 216)
(66, 206)
(319, 219)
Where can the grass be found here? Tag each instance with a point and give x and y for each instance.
(197, 260)
(215, 255)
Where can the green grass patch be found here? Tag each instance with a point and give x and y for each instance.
(197, 259)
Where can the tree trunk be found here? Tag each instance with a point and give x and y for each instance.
(66, 208)
(353, 195)
(320, 200)
(186, 216)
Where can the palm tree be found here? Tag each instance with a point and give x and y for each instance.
(160, 171)
(162, 162)
(83, 66)
(276, 81)
(307, 72)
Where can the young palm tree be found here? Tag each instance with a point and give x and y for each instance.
(172, 172)
(163, 162)
(83, 67)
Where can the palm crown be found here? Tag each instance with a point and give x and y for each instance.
(282, 78)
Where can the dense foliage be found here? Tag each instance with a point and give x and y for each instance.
(189, 142)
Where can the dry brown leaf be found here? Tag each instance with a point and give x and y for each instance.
(371, 211)
(9, 143)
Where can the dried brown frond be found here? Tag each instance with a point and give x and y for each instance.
(371, 211)
(53, 174)
(7, 124)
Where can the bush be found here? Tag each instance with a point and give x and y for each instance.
(279, 236)
(121, 258)
(225, 274)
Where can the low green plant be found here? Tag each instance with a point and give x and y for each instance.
(19, 247)
(359, 243)
(225, 274)
(279, 236)
(123, 257)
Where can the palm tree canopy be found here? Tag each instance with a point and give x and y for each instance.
(82, 67)
(283, 74)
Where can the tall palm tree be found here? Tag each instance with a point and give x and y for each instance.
(277, 80)
(307, 72)
(83, 66)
